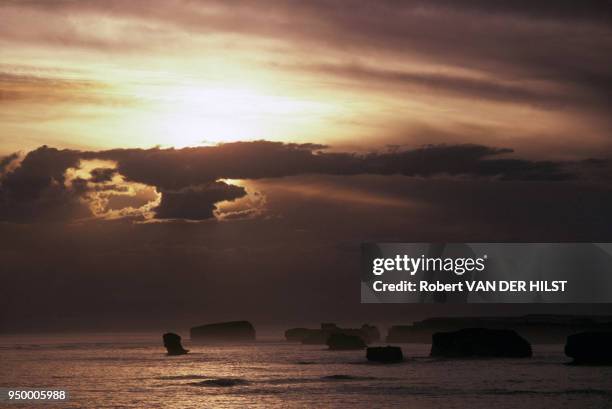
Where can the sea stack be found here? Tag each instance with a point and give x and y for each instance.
(535, 328)
(233, 331)
(338, 342)
(480, 342)
(172, 342)
(387, 355)
(590, 348)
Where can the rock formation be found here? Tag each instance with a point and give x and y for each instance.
(341, 341)
(480, 342)
(388, 354)
(316, 337)
(172, 342)
(590, 348)
(233, 331)
(536, 328)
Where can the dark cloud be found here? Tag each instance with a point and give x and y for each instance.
(471, 160)
(591, 10)
(188, 178)
(36, 189)
(102, 174)
(177, 168)
(6, 161)
(196, 203)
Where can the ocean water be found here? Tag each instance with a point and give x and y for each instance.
(132, 371)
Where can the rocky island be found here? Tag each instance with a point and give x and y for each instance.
(233, 331)
(387, 355)
(590, 348)
(536, 328)
(480, 342)
(172, 343)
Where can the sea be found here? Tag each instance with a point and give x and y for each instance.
(133, 371)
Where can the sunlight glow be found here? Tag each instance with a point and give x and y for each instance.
(115, 197)
(199, 115)
(252, 205)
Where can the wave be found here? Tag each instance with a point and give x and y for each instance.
(180, 377)
(74, 346)
(207, 381)
(585, 391)
(342, 377)
(20, 347)
(438, 391)
(221, 382)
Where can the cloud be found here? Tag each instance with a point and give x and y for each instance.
(52, 184)
(196, 203)
(178, 168)
(7, 161)
(397, 81)
(590, 10)
(102, 174)
(35, 190)
(50, 88)
(471, 160)
(559, 41)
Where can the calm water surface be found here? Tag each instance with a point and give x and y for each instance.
(132, 371)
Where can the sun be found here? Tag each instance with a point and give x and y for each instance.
(191, 115)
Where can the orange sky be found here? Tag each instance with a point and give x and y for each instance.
(98, 75)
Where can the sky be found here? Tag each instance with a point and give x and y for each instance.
(204, 160)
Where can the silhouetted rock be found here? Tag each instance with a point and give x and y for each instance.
(316, 337)
(386, 354)
(233, 331)
(345, 342)
(536, 328)
(480, 342)
(590, 348)
(172, 342)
